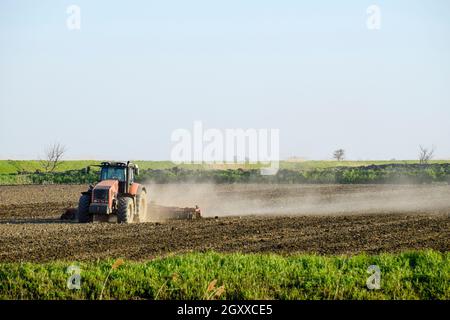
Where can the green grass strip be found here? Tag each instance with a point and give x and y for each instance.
(408, 275)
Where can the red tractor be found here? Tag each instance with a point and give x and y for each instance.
(115, 195)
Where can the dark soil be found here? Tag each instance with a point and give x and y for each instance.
(30, 230)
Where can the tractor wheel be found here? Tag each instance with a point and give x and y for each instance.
(125, 211)
(141, 200)
(83, 209)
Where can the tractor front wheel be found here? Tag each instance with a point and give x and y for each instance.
(125, 211)
(83, 209)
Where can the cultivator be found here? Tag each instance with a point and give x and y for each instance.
(174, 213)
(154, 212)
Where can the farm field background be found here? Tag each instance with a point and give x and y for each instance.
(294, 172)
(16, 166)
(257, 241)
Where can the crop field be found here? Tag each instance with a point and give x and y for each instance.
(293, 229)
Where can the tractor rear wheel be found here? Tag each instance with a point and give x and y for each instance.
(141, 201)
(125, 211)
(83, 209)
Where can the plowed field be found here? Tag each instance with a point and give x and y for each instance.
(324, 219)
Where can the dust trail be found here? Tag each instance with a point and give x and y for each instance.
(276, 199)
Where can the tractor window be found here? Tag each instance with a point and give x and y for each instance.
(112, 173)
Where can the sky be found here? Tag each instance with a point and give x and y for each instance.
(138, 70)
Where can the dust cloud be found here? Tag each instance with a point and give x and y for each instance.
(284, 199)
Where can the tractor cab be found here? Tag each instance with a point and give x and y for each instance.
(122, 172)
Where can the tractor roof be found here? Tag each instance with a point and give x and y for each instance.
(118, 164)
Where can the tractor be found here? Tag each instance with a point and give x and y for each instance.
(116, 195)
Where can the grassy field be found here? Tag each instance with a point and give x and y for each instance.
(15, 166)
(409, 275)
(342, 172)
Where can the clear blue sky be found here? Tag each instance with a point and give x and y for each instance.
(137, 70)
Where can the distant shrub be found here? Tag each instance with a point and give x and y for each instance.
(388, 173)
